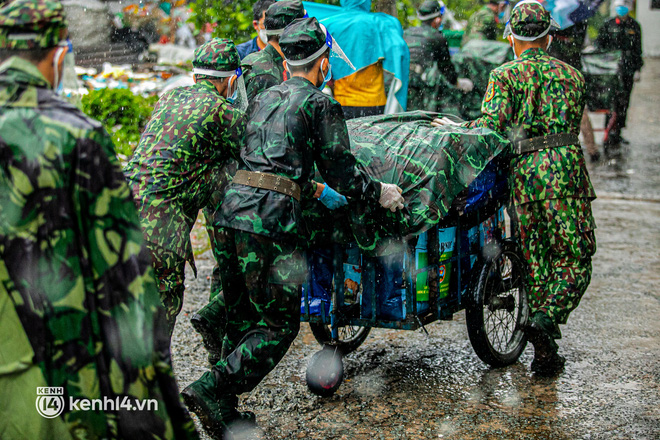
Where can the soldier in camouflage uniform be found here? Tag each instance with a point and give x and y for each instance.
(179, 162)
(79, 308)
(483, 24)
(265, 68)
(430, 63)
(293, 127)
(529, 98)
(262, 70)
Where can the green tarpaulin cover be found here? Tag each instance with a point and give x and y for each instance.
(431, 165)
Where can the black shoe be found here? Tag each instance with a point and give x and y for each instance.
(548, 367)
(546, 360)
(624, 141)
(595, 157)
(217, 413)
(209, 338)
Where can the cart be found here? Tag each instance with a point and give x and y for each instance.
(601, 73)
(468, 261)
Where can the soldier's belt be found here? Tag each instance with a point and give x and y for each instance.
(544, 142)
(268, 181)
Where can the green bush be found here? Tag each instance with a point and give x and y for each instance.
(122, 113)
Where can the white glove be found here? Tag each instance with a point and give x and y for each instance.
(440, 122)
(637, 76)
(464, 85)
(390, 197)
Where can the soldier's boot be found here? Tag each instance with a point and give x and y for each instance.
(216, 410)
(209, 322)
(547, 362)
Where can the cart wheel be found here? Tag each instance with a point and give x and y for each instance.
(350, 337)
(325, 372)
(497, 306)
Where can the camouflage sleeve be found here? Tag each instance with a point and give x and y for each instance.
(489, 27)
(130, 313)
(333, 156)
(638, 60)
(496, 107)
(605, 40)
(256, 84)
(228, 132)
(441, 55)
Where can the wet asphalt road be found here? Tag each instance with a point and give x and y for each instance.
(407, 385)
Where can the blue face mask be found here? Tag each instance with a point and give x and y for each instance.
(621, 11)
(500, 16)
(327, 77)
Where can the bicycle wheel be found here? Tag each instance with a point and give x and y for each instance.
(497, 306)
(350, 337)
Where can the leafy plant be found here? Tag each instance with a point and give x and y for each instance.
(122, 113)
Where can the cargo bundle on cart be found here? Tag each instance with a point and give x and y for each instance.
(451, 247)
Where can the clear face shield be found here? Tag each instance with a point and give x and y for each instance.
(336, 53)
(236, 93)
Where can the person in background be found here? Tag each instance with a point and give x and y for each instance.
(429, 52)
(363, 92)
(484, 24)
(567, 45)
(537, 102)
(265, 68)
(622, 33)
(293, 128)
(261, 40)
(79, 309)
(180, 162)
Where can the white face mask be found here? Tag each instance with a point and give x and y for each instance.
(263, 36)
(549, 42)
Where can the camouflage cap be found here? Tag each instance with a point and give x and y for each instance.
(31, 24)
(282, 13)
(430, 9)
(529, 21)
(302, 39)
(217, 54)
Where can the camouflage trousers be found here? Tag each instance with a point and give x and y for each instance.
(262, 281)
(557, 240)
(169, 269)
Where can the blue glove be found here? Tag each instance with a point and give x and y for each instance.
(332, 199)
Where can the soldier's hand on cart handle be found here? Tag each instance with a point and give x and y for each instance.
(440, 122)
(465, 85)
(390, 197)
(637, 76)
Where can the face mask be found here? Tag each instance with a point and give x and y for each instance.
(63, 48)
(549, 43)
(263, 36)
(513, 48)
(328, 75)
(231, 99)
(500, 16)
(621, 11)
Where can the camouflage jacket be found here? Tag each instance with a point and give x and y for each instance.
(533, 96)
(292, 128)
(79, 308)
(192, 133)
(481, 26)
(428, 47)
(263, 70)
(626, 36)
